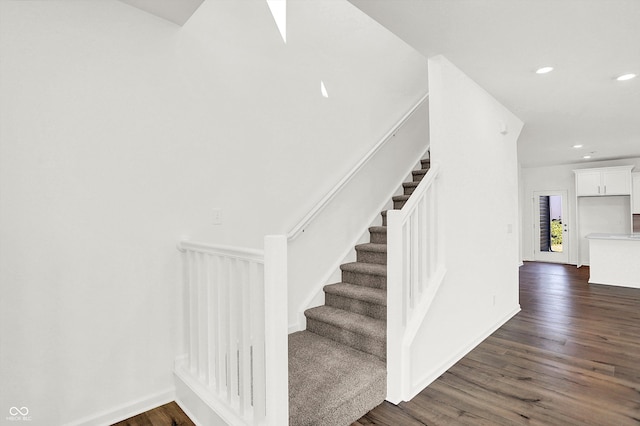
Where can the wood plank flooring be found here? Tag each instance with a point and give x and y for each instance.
(570, 357)
(166, 415)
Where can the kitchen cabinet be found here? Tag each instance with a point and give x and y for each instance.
(602, 194)
(603, 181)
(635, 186)
(614, 259)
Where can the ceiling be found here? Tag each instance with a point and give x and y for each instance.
(176, 11)
(501, 43)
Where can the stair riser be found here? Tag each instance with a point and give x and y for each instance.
(426, 164)
(384, 220)
(372, 257)
(349, 338)
(409, 190)
(367, 280)
(357, 306)
(378, 237)
(417, 177)
(398, 204)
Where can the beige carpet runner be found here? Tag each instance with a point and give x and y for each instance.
(337, 366)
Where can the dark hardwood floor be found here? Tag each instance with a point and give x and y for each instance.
(570, 357)
(166, 415)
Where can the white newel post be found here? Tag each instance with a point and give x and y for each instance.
(396, 301)
(276, 330)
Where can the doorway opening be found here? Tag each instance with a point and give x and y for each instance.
(550, 213)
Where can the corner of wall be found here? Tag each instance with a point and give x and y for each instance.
(474, 139)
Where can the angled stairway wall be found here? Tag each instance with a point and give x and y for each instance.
(345, 220)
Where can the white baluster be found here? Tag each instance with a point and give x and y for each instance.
(245, 358)
(257, 341)
(423, 216)
(193, 313)
(203, 292)
(223, 308)
(234, 327)
(212, 288)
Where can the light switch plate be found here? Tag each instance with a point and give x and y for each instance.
(217, 216)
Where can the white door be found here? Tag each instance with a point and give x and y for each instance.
(551, 226)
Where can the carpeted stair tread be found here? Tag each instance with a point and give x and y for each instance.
(384, 217)
(378, 234)
(365, 268)
(373, 247)
(400, 197)
(359, 299)
(359, 292)
(409, 187)
(372, 253)
(331, 384)
(361, 332)
(356, 323)
(418, 174)
(399, 201)
(426, 163)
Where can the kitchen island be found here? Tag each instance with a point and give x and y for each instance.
(614, 259)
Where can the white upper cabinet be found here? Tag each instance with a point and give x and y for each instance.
(603, 181)
(588, 182)
(636, 192)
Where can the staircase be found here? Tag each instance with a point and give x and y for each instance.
(337, 366)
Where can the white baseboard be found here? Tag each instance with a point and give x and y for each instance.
(202, 407)
(192, 403)
(187, 411)
(130, 409)
(431, 376)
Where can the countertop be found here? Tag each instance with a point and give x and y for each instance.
(626, 237)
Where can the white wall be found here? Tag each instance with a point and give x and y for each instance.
(561, 177)
(479, 207)
(346, 219)
(121, 132)
(601, 215)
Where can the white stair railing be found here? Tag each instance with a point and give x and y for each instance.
(235, 328)
(415, 269)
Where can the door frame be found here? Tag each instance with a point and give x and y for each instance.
(554, 257)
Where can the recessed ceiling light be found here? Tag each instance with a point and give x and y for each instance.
(586, 157)
(625, 77)
(544, 70)
(577, 146)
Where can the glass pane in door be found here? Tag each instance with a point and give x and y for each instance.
(550, 207)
